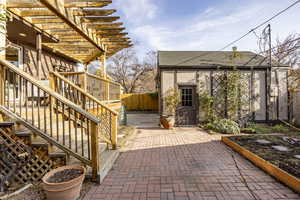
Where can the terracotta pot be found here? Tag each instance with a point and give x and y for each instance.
(167, 122)
(65, 190)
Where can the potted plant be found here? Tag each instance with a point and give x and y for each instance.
(172, 99)
(64, 183)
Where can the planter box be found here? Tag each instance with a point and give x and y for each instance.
(279, 174)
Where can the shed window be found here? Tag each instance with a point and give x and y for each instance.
(187, 97)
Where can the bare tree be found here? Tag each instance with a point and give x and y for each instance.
(148, 82)
(125, 68)
(286, 51)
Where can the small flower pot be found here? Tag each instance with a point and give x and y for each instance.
(68, 190)
(167, 122)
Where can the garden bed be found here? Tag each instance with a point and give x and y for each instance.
(279, 155)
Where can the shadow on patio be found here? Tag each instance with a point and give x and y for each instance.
(185, 164)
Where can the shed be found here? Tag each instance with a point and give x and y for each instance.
(193, 73)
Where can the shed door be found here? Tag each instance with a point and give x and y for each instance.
(186, 113)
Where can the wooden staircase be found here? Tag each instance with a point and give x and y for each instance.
(20, 143)
(66, 130)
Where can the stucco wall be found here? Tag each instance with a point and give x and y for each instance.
(167, 82)
(259, 95)
(201, 79)
(296, 107)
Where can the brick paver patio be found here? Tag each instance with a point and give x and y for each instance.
(184, 164)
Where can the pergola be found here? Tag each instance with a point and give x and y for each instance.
(84, 29)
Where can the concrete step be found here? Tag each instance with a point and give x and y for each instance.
(107, 160)
(102, 147)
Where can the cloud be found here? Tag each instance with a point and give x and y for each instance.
(137, 11)
(214, 27)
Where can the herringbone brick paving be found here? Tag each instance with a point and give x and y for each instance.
(184, 164)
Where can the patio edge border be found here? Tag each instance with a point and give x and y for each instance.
(286, 178)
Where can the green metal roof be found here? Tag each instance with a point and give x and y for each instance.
(211, 59)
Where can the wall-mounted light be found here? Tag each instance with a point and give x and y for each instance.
(22, 34)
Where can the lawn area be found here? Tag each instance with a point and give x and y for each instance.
(269, 129)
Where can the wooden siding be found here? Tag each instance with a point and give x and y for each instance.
(48, 60)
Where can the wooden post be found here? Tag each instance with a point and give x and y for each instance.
(2, 53)
(2, 89)
(95, 151)
(39, 55)
(3, 30)
(53, 87)
(52, 81)
(114, 131)
(103, 63)
(107, 90)
(83, 81)
(2, 85)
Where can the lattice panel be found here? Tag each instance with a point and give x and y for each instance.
(105, 126)
(245, 95)
(218, 78)
(31, 167)
(224, 98)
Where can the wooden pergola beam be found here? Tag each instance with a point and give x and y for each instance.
(84, 32)
(36, 13)
(59, 10)
(94, 12)
(101, 32)
(98, 19)
(116, 35)
(115, 39)
(104, 25)
(58, 46)
(86, 3)
(68, 4)
(47, 20)
(23, 4)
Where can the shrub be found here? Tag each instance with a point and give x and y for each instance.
(226, 126)
(172, 99)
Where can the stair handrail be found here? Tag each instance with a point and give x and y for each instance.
(83, 92)
(114, 118)
(102, 79)
(50, 91)
(93, 142)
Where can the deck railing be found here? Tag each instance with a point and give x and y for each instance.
(50, 115)
(108, 117)
(103, 89)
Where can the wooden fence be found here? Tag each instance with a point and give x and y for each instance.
(140, 102)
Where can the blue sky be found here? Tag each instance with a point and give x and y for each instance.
(202, 24)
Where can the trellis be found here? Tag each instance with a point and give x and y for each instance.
(222, 99)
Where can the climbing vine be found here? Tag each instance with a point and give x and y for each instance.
(227, 101)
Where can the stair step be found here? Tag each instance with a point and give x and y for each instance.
(6, 124)
(57, 155)
(39, 142)
(23, 133)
